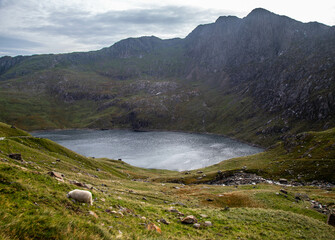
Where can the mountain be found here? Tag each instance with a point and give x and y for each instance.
(259, 79)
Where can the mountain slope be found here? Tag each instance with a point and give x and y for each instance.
(34, 204)
(258, 79)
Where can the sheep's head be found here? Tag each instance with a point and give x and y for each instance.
(68, 194)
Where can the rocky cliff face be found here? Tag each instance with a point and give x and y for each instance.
(265, 72)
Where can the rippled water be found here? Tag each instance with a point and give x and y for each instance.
(162, 150)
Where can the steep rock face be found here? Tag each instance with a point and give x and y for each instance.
(284, 64)
(271, 69)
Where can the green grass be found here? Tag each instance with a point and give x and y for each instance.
(34, 204)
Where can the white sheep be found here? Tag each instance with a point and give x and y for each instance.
(81, 196)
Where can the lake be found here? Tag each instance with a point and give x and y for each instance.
(162, 150)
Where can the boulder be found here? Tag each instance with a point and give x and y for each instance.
(189, 220)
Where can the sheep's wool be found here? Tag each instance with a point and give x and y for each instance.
(81, 196)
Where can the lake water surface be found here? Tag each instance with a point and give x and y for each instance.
(162, 150)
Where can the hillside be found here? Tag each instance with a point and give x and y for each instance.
(258, 79)
(34, 203)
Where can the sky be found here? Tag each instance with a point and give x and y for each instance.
(59, 26)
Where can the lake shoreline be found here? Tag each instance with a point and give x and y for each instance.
(172, 150)
(155, 130)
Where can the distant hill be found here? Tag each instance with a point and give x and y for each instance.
(257, 79)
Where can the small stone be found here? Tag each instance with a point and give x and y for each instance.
(283, 191)
(143, 218)
(98, 169)
(162, 220)
(171, 209)
(57, 160)
(203, 216)
(283, 181)
(208, 224)
(93, 214)
(210, 199)
(144, 198)
(153, 227)
(189, 220)
(196, 225)
(55, 174)
(16, 156)
(103, 200)
(199, 172)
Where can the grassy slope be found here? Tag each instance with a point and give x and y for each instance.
(34, 205)
(303, 157)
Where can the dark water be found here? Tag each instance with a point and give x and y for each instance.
(163, 150)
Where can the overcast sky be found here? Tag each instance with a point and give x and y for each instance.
(59, 26)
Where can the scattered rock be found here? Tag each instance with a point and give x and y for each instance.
(301, 196)
(331, 219)
(171, 209)
(88, 186)
(162, 220)
(208, 224)
(56, 174)
(189, 220)
(209, 199)
(74, 182)
(16, 156)
(93, 214)
(199, 172)
(196, 225)
(153, 227)
(57, 160)
(283, 191)
(103, 200)
(98, 169)
(203, 216)
(283, 181)
(145, 199)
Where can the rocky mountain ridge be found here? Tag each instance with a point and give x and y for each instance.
(264, 74)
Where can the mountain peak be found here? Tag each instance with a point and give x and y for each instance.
(260, 12)
(227, 19)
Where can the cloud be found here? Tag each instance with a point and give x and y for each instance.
(14, 46)
(70, 29)
(163, 21)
